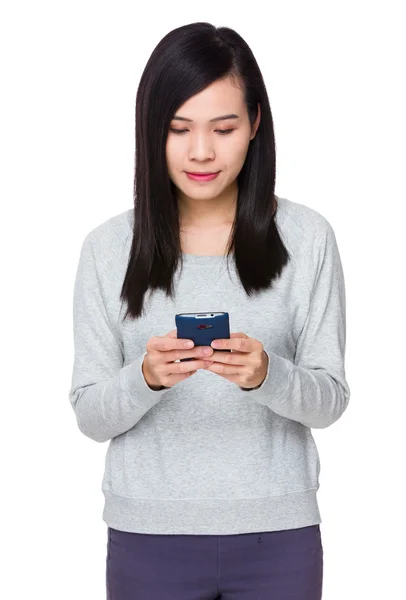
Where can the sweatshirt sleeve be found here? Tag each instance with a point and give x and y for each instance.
(313, 389)
(107, 398)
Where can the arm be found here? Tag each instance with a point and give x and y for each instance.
(108, 399)
(313, 389)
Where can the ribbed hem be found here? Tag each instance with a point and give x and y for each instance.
(215, 516)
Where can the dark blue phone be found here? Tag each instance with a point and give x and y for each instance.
(203, 328)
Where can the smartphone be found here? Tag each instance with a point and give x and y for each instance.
(203, 328)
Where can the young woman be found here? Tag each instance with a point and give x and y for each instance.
(211, 472)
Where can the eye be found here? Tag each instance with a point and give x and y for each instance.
(220, 131)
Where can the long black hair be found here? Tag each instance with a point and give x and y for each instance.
(186, 61)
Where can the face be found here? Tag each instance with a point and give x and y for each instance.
(201, 143)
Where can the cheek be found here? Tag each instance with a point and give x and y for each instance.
(237, 155)
(171, 165)
(173, 154)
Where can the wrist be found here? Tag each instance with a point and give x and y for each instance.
(253, 388)
(148, 378)
(263, 375)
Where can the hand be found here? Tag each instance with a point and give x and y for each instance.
(246, 364)
(159, 368)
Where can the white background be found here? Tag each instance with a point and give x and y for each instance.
(69, 74)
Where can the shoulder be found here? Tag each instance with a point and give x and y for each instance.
(111, 234)
(308, 236)
(106, 246)
(301, 223)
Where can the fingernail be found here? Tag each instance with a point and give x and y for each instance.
(188, 344)
(207, 363)
(207, 351)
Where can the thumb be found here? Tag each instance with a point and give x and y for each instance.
(172, 334)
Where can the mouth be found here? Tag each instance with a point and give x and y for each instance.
(203, 173)
(206, 176)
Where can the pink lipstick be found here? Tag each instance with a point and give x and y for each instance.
(202, 176)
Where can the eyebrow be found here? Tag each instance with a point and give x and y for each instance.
(221, 118)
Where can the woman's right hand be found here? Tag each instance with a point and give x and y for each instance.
(159, 368)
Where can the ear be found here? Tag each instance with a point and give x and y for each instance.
(256, 123)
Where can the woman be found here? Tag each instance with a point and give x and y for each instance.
(210, 481)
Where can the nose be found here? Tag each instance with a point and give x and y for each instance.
(201, 147)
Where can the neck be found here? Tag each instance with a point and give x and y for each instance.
(208, 213)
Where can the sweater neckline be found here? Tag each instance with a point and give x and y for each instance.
(200, 259)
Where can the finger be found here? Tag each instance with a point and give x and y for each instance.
(238, 334)
(172, 334)
(229, 358)
(225, 370)
(184, 367)
(198, 352)
(235, 343)
(173, 379)
(166, 343)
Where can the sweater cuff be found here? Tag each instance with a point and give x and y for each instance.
(132, 381)
(276, 380)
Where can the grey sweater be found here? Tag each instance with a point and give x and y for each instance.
(205, 456)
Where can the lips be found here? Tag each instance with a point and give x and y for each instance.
(202, 173)
(202, 176)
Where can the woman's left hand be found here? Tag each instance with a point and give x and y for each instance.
(246, 364)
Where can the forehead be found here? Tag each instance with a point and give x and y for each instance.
(219, 98)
